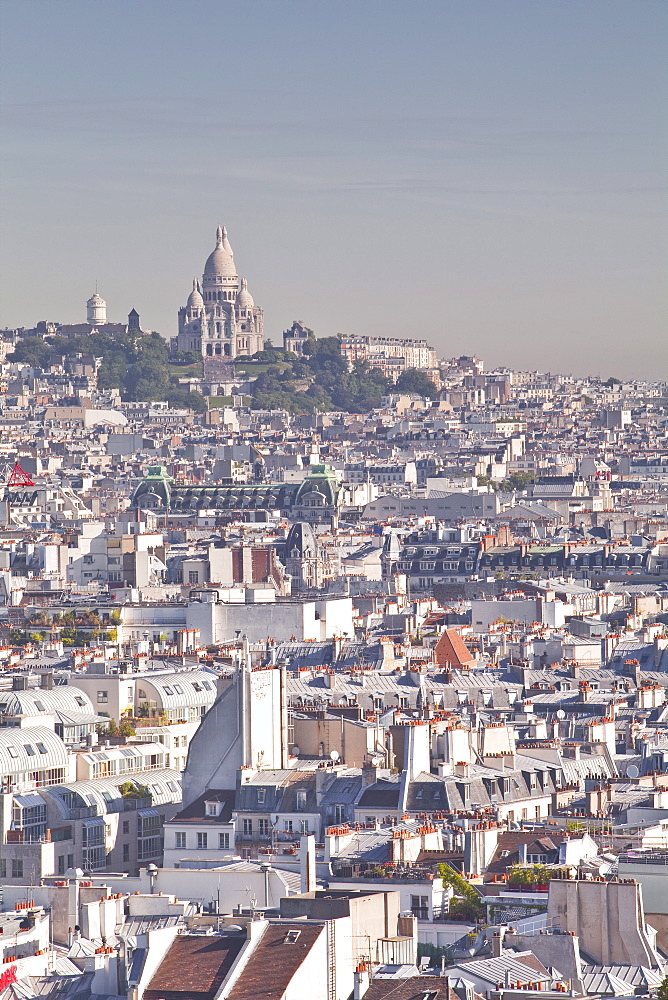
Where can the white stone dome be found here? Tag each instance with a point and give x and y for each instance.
(96, 300)
(220, 263)
(195, 300)
(244, 297)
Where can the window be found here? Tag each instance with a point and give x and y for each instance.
(61, 864)
(261, 793)
(12, 751)
(202, 839)
(178, 689)
(263, 825)
(303, 826)
(168, 691)
(197, 687)
(224, 841)
(179, 841)
(17, 867)
(301, 799)
(30, 750)
(420, 907)
(102, 697)
(126, 852)
(212, 808)
(339, 813)
(247, 826)
(126, 826)
(80, 701)
(193, 576)
(287, 825)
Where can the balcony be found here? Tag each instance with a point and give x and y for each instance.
(130, 803)
(82, 812)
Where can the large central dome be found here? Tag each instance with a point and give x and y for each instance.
(220, 263)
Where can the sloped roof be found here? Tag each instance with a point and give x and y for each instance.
(414, 988)
(450, 650)
(275, 960)
(194, 968)
(196, 811)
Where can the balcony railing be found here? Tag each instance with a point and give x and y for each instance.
(83, 812)
(130, 803)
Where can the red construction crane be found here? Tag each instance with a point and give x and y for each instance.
(18, 477)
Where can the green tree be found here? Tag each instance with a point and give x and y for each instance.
(32, 351)
(134, 790)
(531, 875)
(182, 399)
(148, 379)
(519, 480)
(662, 992)
(326, 354)
(467, 903)
(414, 380)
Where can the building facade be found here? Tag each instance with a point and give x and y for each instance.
(391, 355)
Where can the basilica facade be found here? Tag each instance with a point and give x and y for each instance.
(220, 318)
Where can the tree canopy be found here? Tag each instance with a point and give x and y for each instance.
(138, 366)
(414, 380)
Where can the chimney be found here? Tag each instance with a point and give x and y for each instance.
(361, 981)
(19, 682)
(307, 863)
(497, 942)
(522, 854)
(46, 681)
(369, 774)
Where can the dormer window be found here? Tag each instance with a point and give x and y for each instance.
(212, 808)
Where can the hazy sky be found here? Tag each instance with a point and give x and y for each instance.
(488, 174)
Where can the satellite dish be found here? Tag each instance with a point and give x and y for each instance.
(334, 755)
(632, 771)
(294, 751)
(561, 714)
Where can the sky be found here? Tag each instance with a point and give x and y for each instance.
(487, 174)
